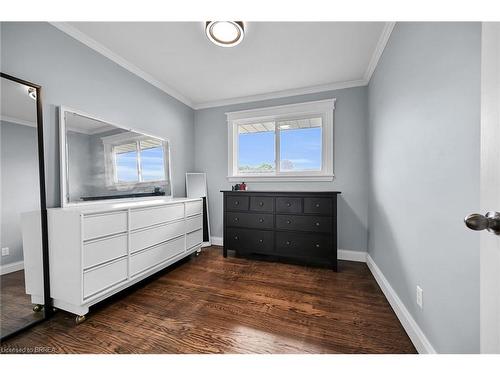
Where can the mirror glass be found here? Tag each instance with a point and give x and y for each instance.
(104, 161)
(20, 236)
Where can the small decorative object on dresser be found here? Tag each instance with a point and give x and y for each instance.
(298, 226)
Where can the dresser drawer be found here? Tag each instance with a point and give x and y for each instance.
(304, 223)
(153, 256)
(263, 204)
(289, 205)
(104, 277)
(194, 223)
(303, 245)
(103, 250)
(318, 206)
(151, 216)
(194, 208)
(235, 203)
(105, 224)
(250, 241)
(194, 238)
(144, 238)
(247, 220)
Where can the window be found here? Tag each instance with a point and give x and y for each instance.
(134, 159)
(291, 142)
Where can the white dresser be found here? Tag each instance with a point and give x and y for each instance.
(99, 249)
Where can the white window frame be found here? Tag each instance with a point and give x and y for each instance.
(110, 159)
(321, 108)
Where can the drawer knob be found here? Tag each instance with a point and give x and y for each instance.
(317, 205)
(261, 220)
(236, 203)
(261, 240)
(236, 219)
(288, 204)
(317, 224)
(261, 204)
(317, 245)
(288, 243)
(236, 238)
(289, 222)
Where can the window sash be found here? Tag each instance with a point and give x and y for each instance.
(320, 109)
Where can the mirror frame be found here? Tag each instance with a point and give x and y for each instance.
(47, 310)
(63, 157)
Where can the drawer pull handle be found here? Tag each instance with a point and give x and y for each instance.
(261, 204)
(236, 238)
(236, 203)
(288, 243)
(317, 205)
(288, 204)
(261, 241)
(289, 222)
(317, 245)
(236, 219)
(317, 224)
(261, 220)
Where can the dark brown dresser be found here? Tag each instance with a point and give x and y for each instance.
(295, 226)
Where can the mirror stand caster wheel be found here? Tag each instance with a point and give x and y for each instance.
(37, 308)
(80, 319)
(197, 254)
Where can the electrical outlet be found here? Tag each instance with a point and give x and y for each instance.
(5, 251)
(420, 297)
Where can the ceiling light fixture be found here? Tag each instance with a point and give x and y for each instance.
(225, 33)
(32, 93)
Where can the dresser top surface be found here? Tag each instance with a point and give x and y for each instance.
(293, 192)
(87, 208)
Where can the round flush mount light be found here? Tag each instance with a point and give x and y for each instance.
(225, 33)
(32, 93)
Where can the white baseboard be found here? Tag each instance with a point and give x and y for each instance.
(411, 327)
(11, 267)
(216, 241)
(352, 255)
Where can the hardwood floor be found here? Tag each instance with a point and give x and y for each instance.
(16, 309)
(214, 305)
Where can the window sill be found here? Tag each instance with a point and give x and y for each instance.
(279, 178)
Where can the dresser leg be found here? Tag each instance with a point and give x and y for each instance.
(335, 266)
(224, 252)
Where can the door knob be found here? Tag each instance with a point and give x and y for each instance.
(491, 222)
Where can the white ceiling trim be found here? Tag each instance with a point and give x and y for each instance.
(379, 49)
(92, 43)
(283, 94)
(15, 120)
(95, 45)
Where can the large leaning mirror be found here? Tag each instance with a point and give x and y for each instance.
(23, 238)
(102, 161)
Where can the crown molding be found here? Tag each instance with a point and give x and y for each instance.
(98, 47)
(282, 94)
(18, 121)
(379, 49)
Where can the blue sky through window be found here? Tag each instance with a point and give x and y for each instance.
(152, 164)
(300, 150)
(126, 166)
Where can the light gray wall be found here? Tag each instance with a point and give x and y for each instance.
(350, 160)
(20, 185)
(424, 113)
(74, 75)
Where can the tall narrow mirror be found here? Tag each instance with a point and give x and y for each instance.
(22, 207)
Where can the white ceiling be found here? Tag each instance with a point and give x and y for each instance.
(275, 58)
(15, 104)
